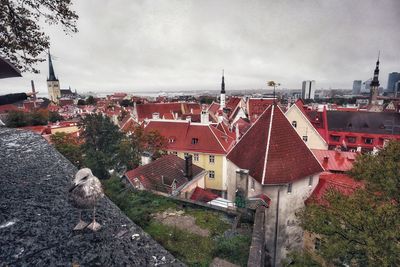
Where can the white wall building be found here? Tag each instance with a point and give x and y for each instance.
(308, 90)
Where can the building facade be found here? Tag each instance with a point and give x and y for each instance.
(308, 90)
(393, 78)
(356, 87)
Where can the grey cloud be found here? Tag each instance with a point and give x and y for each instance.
(167, 45)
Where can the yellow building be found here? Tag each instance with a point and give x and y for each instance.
(208, 145)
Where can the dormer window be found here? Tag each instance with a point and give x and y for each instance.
(195, 141)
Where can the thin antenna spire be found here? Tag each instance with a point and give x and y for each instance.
(222, 72)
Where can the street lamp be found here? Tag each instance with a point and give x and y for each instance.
(273, 84)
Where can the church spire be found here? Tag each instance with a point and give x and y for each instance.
(375, 80)
(52, 76)
(223, 83)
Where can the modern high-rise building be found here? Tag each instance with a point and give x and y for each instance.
(366, 86)
(308, 90)
(356, 87)
(392, 79)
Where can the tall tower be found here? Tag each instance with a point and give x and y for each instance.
(222, 98)
(53, 85)
(375, 84)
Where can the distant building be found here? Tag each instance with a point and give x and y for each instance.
(366, 86)
(397, 89)
(392, 79)
(356, 87)
(308, 89)
(53, 85)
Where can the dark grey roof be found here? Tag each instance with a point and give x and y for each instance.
(66, 92)
(364, 122)
(36, 219)
(8, 70)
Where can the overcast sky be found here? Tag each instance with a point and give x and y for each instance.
(125, 45)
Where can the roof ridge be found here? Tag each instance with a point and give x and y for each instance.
(217, 138)
(251, 126)
(268, 143)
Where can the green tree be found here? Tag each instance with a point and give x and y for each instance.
(81, 102)
(22, 39)
(363, 228)
(102, 139)
(16, 119)
(69, 147)
(91, 101)
(55, 116)
(126, 103)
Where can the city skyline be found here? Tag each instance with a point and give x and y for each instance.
(124, 46)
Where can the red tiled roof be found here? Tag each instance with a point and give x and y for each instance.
(338, 161)
(202, 195)
(168, 116)
(182, 134)
(273, 152)
(243, 125)
(8, 108)
(341, 182)
(232, 103)
(40, 129)
(145, 111)
(159, 174)
(224, 128)
(214, 107)
(256, 106)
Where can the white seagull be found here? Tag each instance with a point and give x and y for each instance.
(84, 194)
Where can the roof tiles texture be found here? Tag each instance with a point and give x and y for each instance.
(185, 136)
(336, 161)
(327, 181)
(273, 152)
(160, 174)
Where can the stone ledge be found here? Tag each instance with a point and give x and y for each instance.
(36, 219)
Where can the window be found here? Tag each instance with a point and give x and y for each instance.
(174, 153)
(196, 157)
(195, 141)
(211, 174)
(305, 138)
(294, 124)
(351, 139)
(171, 140)
(369, 141)
(310, 181)
(252, 184)
(185, 154)
(211, 159)
(335, 138)
(289, 188)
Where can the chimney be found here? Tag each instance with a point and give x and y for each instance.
(188, 167)
(326, 159)
(189, 118)
(204, 117)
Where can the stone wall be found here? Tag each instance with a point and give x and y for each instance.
(36, 219)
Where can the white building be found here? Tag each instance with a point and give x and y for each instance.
(272, 162)
(308, 89)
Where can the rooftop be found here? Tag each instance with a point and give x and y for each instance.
(36, 219)
(271, 150)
